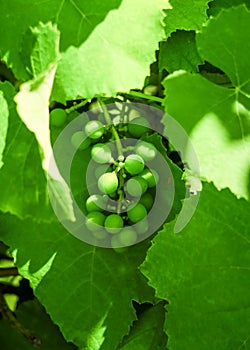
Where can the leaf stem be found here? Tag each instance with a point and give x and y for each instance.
(8, 271)
(76, 106)
(147, 97)
(9, 316)
(114, 132)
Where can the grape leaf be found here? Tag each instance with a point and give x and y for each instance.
(179, 52)
(204, 273)
(188, 15)
(228, 54)
(42, 48)
(22, 180)
(3, 124)
(216, 6)
(81, 286)
(33, 316)
(147, 331)
(217, 118)
(116, 56)
(75, 20)
(33, 107)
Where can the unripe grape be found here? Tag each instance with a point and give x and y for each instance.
(134, 164)
(95, 202)
(101, 153)
(138, 126)
(136, 186)
(134, 113)
(101, 234)
(150, 90)
(127, 236)
(137, 213)
(113, 223)
(95, 107)
(94, 129)
(95, 221)
(142, 226)
(80, 141)
(146, 150)
(151, 176)
(58, 117)
(147, 200)
(108, 183)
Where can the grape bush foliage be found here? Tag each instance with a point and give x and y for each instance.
(70, 59)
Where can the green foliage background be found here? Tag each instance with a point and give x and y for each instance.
(196, 283)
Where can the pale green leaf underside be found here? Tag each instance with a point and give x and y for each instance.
(217, 118)
(204, 273)
(3, 124)
(116, 56)
(33, 107)
(22, 179)
(81, 286)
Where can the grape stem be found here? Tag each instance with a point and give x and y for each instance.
(76, 106)
(10, 317)
(8, 271)
(145, 96)
(120, 190)
(114, 132)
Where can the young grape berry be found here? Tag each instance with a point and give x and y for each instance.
(94, 129)
(147, 200)
(95, 202)
(127, 236)
(58, 117)
(134, 164)
(95, 221)
(113, 223)
(136, 186)
(146, 150)
(151, 176)
(138, 126)
(101, 153)
(137, 213)
(108, 183)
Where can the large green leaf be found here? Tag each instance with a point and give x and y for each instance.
(147, 332)
(217, 118)
(75, 20)
(116, 56)
(33, 317)
(87, 291)
(204, 273)
(3, 124)
(22, 180)
(187, 15)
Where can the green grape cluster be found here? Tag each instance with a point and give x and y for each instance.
(128, 187)
(125, 186)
